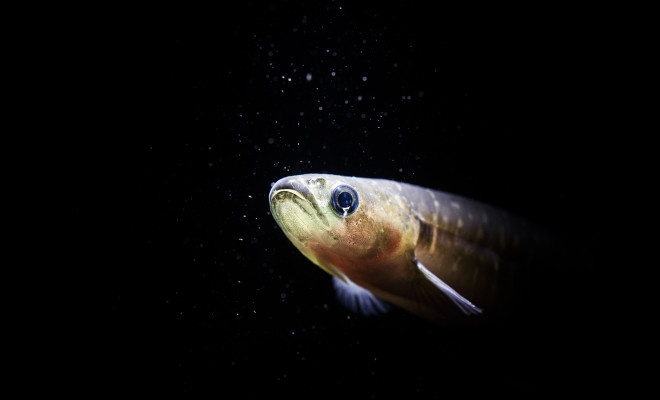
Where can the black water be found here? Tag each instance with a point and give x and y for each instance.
(200, 292)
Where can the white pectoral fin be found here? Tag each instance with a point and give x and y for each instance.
(461, 302)
(358, 299)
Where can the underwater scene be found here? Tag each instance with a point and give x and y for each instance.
(245, 257)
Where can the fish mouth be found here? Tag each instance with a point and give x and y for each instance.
(297, 211)
(289, 185)
(294, 206)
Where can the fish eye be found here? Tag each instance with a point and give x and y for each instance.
(344, 200)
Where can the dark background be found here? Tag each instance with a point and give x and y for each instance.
(194, 289)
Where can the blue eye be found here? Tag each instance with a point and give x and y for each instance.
(344, 200)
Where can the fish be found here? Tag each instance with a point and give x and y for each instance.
(443, 257)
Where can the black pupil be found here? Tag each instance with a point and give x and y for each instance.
(345, 199)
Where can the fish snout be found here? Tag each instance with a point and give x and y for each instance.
(302, 192)
(291, 185)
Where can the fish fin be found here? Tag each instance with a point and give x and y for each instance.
(461, 302)
(358, 299)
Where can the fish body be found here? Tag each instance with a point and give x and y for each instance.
(440, 256)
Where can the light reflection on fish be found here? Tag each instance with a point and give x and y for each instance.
(437, 255)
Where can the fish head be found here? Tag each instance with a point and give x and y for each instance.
(342, 224)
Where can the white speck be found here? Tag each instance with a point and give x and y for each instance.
(364, 78)
(288, 79)
(308, 77)
(455, 205)
(333, 73)
(240, 239)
